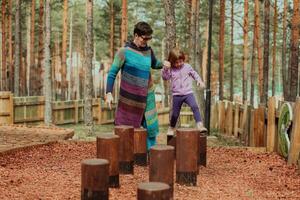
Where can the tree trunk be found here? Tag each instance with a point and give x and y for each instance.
(294, 51)
(204, 54)
(254, 48)
(64, 51)
(283, 56)
(124, 23)
(193, 33)
(264, 98)
(112, 30)
(170, 37)
(10, 47)
(274, 48)
(70, 69)
(33, 74)
(259, 51)
(28, 54)
(88, 89)
(40, 67)
(221, 49)
(188, 4)
(47, 64)
(3, 22)
(245, 56)
(17, 49)
(1, 57)
(231, 52)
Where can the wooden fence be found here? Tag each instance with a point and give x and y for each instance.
(259, 127)
(30, 110)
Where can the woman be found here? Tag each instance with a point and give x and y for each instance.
(136, 105)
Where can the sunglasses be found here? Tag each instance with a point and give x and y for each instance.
(146, 38)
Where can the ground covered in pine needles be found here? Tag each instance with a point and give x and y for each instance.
(52, 171)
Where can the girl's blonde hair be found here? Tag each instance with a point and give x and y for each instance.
(175, 54)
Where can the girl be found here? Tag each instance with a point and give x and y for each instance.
(181, 75)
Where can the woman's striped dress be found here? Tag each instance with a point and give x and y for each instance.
(137, 100)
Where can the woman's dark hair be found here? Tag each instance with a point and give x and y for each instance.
(142, 28)
(175, 54)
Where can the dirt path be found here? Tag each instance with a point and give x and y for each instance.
(53, 172)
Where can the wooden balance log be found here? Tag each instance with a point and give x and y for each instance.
(140, 146)
(108, 148)
(202, 149)
(187, 156)
(94, 179)
(161, 167)
(171, 141)
(126, 156)
(153, 191)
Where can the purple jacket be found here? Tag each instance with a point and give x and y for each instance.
(181, 79)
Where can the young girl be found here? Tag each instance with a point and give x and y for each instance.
(181, 75)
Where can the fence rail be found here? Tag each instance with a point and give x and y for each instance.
(30, 110)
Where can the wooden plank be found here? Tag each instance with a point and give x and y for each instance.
(271, 124)
(259, 127)
(76, 111)
(62, 107)
(214, 116)
(236, 119)
(251, 133)
(222, 117)
(295, 135)
(5, 114)
(229, 119)
(99, 111)
(29, 120)
(11, 108)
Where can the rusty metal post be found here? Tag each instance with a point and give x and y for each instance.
(126, 156)
(187, 156)
(161, 168)
(153, 191)
(94, 179)
(108, 148)
(202, 149)
(140, 146)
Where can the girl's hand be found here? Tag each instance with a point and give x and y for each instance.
(167, 64)
(201, 84)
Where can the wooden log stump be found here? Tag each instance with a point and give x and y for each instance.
(108, 148)
(140, 146)
(126, 156)
(171, 141)
(202, 150)
(153, 191)
(161, 168)
(187, 156)
(94, 179)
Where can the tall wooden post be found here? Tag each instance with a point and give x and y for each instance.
(108, 148)
(140, 146)
(153, 191)
(161, 166)
(202, 150)
(94, 179)
(126, 156)
(186, 156)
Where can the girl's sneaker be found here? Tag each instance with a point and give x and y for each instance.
(201, 128)
(171, 131)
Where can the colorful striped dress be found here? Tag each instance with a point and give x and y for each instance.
(136, 104)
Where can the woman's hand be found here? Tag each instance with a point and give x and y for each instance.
(108, 99)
